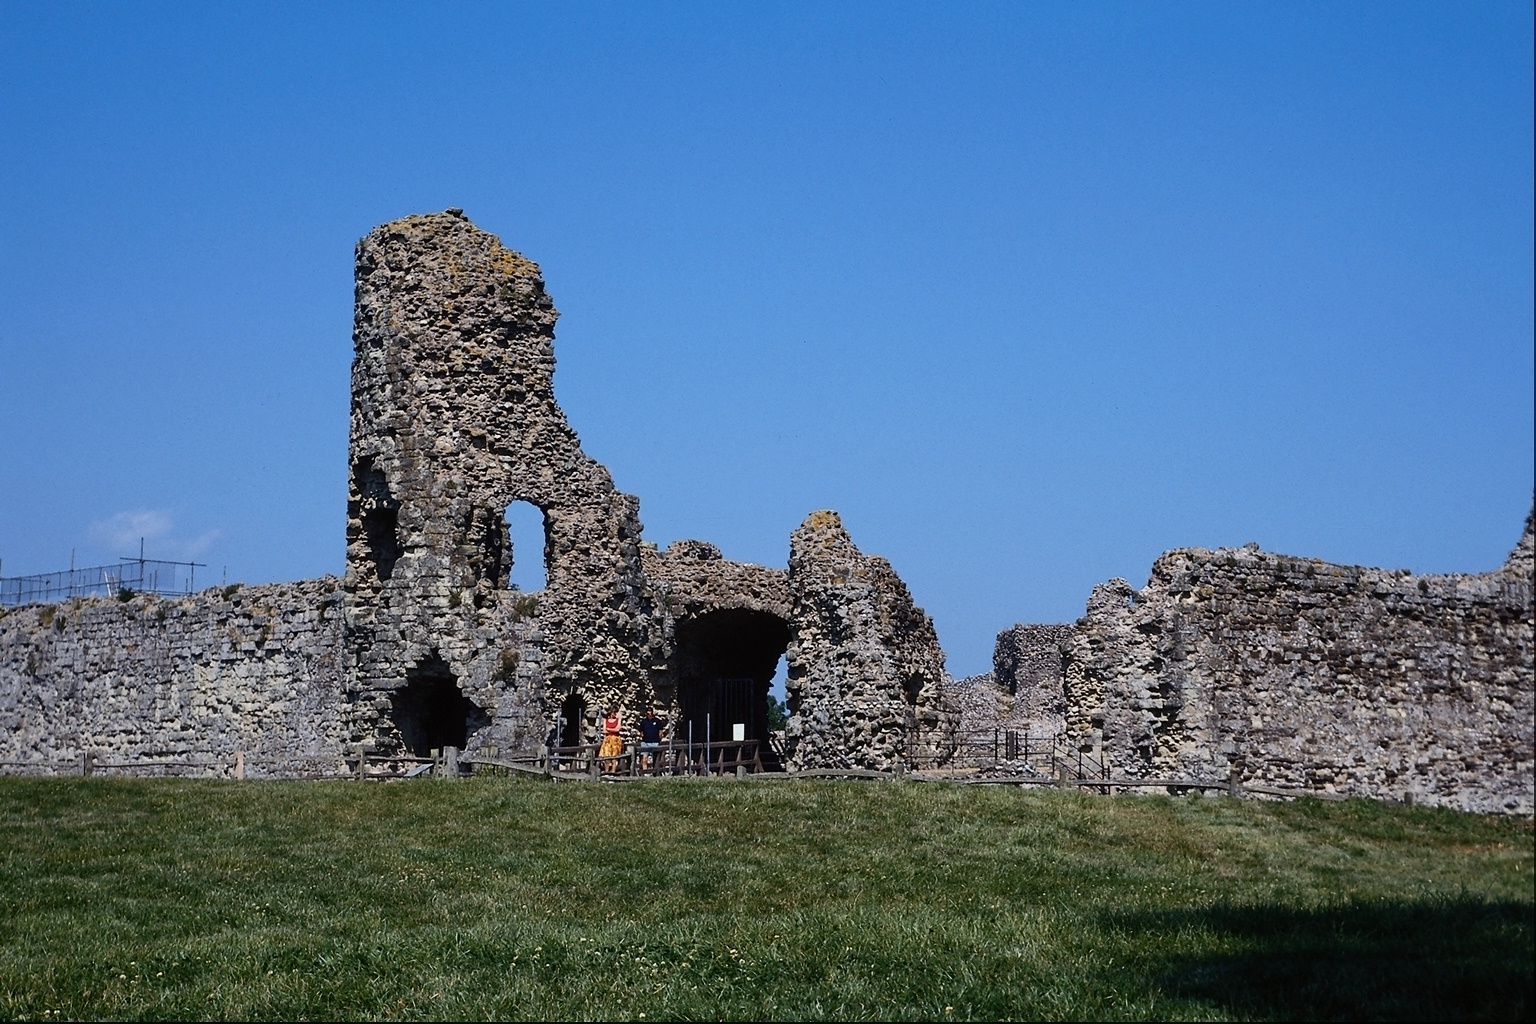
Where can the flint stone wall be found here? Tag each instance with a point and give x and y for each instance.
(1302, 674)
(692, 578)
(188, 678)
(1027, 665)
(866, 673)
(453, 418)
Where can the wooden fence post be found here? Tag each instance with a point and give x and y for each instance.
(239, 764)
(1234, 784)
(450, 762)
(362, 763)
(1061, 777)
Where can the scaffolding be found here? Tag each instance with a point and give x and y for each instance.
(129, 576)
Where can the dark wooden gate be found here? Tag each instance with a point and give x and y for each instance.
(719, 704)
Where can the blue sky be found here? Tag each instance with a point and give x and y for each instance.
(1029, 292)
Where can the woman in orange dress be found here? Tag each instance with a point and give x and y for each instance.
(613, 742)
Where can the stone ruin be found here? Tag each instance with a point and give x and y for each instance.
(454, 418)
(1293, 673)
(1286, 670)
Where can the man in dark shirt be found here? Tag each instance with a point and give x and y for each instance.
(650, 737)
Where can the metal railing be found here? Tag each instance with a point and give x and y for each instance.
(129, 576)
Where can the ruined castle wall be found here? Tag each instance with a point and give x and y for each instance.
(454, 418)
(691, 577)
(1303, 674)
(866, 679)
(186, 678)
(1027, 665)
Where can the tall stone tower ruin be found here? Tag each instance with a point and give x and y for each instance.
(453, 419)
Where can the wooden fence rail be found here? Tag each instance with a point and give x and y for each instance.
(739, 759)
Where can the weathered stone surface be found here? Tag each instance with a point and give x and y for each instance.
(1290, 671)
(453, 419)
(691, 578)
(1302, 674)
(866, 674)
(723, 620)
(1027, 664)
(191, 678)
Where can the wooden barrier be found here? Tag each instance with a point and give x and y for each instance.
(734, 759)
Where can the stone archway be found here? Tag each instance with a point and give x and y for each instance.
(431, 712)
(725, 663)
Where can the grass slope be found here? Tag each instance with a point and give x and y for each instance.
(684, 899)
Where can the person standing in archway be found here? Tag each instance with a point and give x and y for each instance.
(650, 737)
(613, 741)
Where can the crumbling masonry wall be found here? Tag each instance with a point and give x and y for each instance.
(1027, 665)
(1286, 670)
(1298, 673)
(195, 678)
(425, 643)
(453, 419)
(866, 673)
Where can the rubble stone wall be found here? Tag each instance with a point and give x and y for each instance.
(1027, 664)
(453, 419)
(1303, 674)
(188, 678)
(425, 643)
(866, 673)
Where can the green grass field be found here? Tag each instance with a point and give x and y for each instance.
(684, 899)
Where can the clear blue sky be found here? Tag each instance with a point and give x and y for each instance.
(1030, 292)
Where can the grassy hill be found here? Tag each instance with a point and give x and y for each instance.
(758, 900)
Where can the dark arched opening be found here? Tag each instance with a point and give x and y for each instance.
(573, 712)
(432, 712)
(725, 664)
(377, 513)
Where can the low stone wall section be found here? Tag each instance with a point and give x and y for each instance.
(1027, 665)
(257, 669)
(1297, 673)
(866, 682)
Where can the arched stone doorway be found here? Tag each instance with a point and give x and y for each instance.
(725, 663)
(430, 710)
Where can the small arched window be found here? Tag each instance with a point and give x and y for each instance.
(528, 529)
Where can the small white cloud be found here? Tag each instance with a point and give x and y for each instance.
(118, 536)
(125, 529)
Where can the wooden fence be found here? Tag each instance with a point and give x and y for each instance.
(739, 759)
